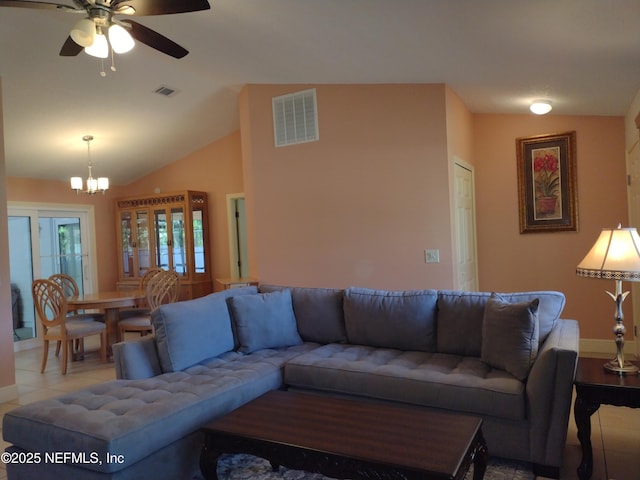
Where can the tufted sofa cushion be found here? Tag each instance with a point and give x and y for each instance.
(453, 382)
(135, 418)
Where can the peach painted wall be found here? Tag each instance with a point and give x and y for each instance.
(215, 169)
(510, 261)
(8, 389)
(56, 192)
(359, 206)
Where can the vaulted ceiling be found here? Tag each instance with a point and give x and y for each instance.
(496, 55)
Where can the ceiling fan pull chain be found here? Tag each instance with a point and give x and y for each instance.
(102, 72)
(113, 62)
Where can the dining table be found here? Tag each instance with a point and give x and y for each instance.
(110, 302)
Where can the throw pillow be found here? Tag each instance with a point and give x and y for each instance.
(265, 320)
(195, 330)
(510, 335)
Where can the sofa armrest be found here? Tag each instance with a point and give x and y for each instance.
(136, 359)
(549, 392)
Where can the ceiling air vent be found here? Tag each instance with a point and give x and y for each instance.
(295, 118)
(165, 91)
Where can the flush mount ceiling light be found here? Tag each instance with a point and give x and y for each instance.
(94, 185)
(540, 107)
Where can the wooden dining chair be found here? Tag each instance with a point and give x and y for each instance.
(142, 308)
(70, 289)
(162, 288)
(51, 308)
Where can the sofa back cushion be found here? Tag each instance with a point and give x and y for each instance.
(403, 320)
(318, 312)
(191, 331)
(460, 316)
(265, 320)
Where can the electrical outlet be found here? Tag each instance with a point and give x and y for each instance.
(432, 255)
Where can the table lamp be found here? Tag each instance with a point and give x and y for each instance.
(615, 256)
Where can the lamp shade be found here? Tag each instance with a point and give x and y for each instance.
(120, 40)
(100, 47)
(614, 256)
(76, 183)
(83, 32)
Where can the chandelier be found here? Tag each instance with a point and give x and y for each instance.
(94, 185)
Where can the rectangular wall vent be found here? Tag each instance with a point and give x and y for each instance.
(295, 118)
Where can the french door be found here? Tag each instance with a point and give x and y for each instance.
(43, 240)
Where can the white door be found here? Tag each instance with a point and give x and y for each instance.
(466, 269)
(44, 240)
(633, 198)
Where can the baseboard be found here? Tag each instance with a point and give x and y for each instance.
(605, 348)
(8, 393)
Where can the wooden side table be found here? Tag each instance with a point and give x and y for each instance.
(595, 386)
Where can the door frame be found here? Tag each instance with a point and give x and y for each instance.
(35, 210)
(232, 198)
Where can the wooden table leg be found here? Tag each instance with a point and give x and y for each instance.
(480, 458)
(582, 411)
(111, 318)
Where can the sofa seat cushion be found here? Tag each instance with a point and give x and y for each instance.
(135, 418)
(454, 382)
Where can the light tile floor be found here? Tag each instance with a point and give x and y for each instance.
(615, 431)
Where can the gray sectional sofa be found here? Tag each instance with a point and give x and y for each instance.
(508, 358)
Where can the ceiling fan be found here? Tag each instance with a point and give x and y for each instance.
(89, 33)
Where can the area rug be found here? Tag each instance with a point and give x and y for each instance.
(247, 467)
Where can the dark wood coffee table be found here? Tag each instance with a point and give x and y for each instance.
(595, 386)
(344, 438)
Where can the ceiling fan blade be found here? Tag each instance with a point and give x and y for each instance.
(40, 5)
(70, 48)
(155, 40)
(163, 7)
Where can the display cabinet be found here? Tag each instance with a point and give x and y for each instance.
(168, 230)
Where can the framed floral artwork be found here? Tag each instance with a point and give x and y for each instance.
(547, 185)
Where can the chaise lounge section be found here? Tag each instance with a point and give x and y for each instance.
(508, 358)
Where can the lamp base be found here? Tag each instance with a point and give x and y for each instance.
(627, 368)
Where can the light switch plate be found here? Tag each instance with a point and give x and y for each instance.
(432, 255)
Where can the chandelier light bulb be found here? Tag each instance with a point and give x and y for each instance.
(120, 39)
(540, 107)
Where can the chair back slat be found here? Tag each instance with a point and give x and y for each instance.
(50, 302)
(164, 287)
(67, 283)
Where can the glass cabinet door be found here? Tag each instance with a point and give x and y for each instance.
(161, 239)
(179, 252)
(144, 249)
(198, 241)
(127, 253)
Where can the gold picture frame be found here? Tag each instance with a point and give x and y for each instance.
(547, 183)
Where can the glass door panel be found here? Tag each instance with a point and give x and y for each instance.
(142, 243)
(127, 253)
(179, 253)
(61, 248)
(21, 267)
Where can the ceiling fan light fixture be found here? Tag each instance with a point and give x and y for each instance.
(120, 39)
(540, 107)
(84, 32)
(100, 47)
